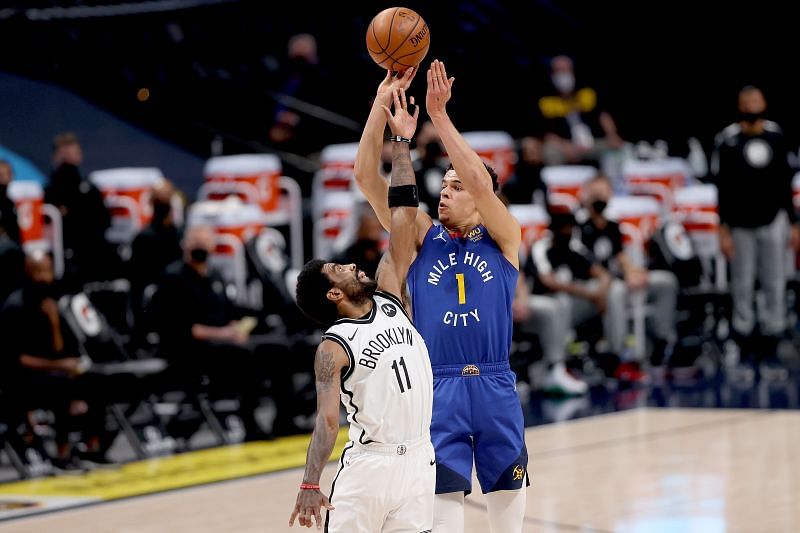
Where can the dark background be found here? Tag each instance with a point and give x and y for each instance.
(666, 70)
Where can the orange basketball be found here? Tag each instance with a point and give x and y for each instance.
(398, 38)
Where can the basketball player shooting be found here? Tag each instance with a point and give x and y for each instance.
(462, 286)
(378, 363)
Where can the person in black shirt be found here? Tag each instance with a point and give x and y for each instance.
(576, 128)
(752, 173)
(429, 166)
(366, 251)
(88, 255)
(526, 185)
(604, 240)
(11, 255)
(40, 366)
(8, 213)
(155, 247)
(203, 334)
(569, 288)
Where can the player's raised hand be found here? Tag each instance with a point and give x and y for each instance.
(402, 122)
(309, 505)
(394, 81)
(439, 89)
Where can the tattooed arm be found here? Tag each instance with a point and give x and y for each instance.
(403, 232)
(328, 365)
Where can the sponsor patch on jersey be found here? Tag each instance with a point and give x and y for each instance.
(470, 370)
(475, 234)
(389, 310)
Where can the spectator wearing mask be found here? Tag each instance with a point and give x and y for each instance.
(203, 334)
(88, 255)
(568, 290)
(302, 78)
(751, 169)
(11, 255)
(156, 246)
(526, 186)
(428, 166)
(366, 251)
(576, 127)
(602, 237)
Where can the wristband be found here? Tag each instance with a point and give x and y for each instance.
(403, 196)
(308, 486)
(400, 139)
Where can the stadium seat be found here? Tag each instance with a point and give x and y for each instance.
(126, 193)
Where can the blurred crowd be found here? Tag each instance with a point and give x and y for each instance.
(592, 307)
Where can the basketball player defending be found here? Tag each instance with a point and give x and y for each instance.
(462, 286)
(377, 360)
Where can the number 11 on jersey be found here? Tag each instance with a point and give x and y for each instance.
(396, 369)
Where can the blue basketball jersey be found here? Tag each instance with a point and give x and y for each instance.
(461, 293)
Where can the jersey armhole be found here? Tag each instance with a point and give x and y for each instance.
(413, 264)
(395, 300)
(343, 343)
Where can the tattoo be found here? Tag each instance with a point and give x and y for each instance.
(402, 170)
(324, 368)
(319, 451)
(324, 436)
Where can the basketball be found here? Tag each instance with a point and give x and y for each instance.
(398, 38)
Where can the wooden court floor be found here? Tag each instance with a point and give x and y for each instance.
(646, 470)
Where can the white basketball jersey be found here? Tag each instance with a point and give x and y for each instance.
(388, 386)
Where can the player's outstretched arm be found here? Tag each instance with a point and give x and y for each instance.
(328, 365)
(503, 227)
(368, 158)
(402, 198)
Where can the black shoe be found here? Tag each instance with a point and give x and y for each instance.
(68, 466)
(93, 459)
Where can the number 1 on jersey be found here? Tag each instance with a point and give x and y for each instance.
(462, 291)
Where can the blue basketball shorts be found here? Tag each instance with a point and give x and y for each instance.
(477, 415)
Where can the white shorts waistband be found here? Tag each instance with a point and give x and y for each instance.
(401, 448)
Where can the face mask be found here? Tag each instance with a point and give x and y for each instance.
(563, 81)
(750, 117)
(67, 175)
(38, 291)
(161, 211)
(598, 206)
(561, 240)
(433, 150)
(199, 255)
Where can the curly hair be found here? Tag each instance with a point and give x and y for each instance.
(312, 287)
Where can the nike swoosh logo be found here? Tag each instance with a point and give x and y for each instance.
(354, 335)
(433, 463)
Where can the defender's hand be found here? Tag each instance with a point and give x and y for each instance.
(401, 123)
(439, 89)
(309, 504)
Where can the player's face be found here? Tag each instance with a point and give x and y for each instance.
(352, 282)
(455, 204)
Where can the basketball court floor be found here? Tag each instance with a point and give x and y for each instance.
(639, 470)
